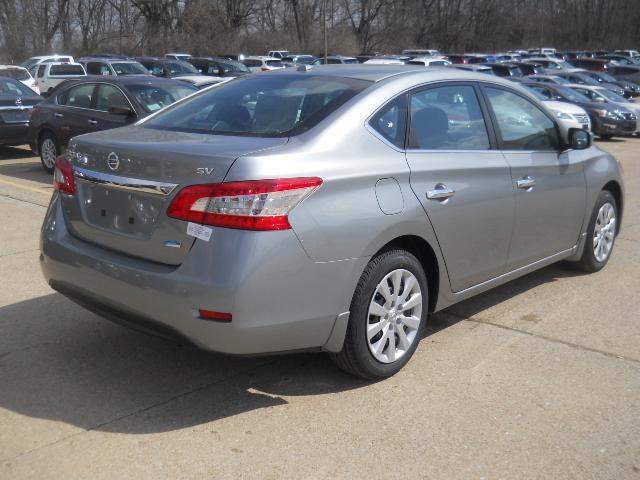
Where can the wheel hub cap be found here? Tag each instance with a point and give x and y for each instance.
(394, 316)
(604, 232)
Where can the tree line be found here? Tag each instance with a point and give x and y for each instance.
(80, 27)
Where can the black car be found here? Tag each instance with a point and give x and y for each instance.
(607, 119)
(16, 103)
(97, 103)
(530, 68)
(625, 72)
(166, 67)
(583, 78)
(505, 69)
(219, 67)
(631, 89)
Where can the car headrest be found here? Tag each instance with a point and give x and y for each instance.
(429, 128)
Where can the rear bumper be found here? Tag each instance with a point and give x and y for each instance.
(279, 298)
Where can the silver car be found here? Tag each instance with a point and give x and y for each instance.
(330, 208)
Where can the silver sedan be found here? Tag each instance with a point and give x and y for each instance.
(327, 208)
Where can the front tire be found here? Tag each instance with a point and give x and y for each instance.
(49, 150)
(601, 233)
(388, 314)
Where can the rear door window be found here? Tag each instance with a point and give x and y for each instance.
(447, 118)
(110, 96)
(80, 96)
(521, 124)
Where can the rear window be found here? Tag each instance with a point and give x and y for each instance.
(262, 106)
(66, 70)
(274, 63)
(155, 97)
(181, 68)
(13, 88)
(15, 73)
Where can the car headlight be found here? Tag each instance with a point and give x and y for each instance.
(563, 116)
(606, 114)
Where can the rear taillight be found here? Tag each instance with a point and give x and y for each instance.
(63, 179)
(252, 205)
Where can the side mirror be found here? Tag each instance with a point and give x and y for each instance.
(579, 139)
(124, 111)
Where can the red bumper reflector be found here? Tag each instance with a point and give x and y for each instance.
(217, 316)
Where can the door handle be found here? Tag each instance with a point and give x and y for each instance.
(526, 182)
(92, 122)
(440, 192)
(58, 115)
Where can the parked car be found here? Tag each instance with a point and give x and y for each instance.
(280, 54)
(457, 58)
(417, 52)
(607, 119)
(339, 59)
(16, 102)
(204, 222)
(178, 56)
(543, 51)
(628, 53)
(429, 61)
(385, 60)
(361, 57)
(299, 60)
(49, 75)
(569, 115)
(621, 59)
(548, 79)
(508, 70)
(550, 64)
(32, 62)
(237, 57)
(582, 77)
(597, 64)
(625, 72)
(530, 68)
(263, 64)
(604, 95)
(21, 74)
(219, 67)
(166, 68)
(479, 68)
(631, 89)
(111, 66)
(94, 104)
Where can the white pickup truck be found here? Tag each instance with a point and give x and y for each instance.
(49, 75)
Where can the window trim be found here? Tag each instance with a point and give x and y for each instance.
(500, 142)
(488, 120)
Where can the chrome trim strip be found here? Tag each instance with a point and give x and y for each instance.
(125, 183)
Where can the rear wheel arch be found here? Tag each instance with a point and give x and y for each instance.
(425, 253)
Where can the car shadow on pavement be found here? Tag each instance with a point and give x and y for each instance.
(13, 153)
(62, 363)
(18, 163)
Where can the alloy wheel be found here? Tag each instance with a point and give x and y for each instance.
(48, 152)
(604, 232)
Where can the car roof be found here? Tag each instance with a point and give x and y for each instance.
(16, 67)
(377, 72)
(129, 80)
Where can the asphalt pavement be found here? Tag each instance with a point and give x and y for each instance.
(539, 378)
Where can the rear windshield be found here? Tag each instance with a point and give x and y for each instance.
(66, 69)
(261, 106)
(13, 88)
(274, 63)
(17, 73)
(155, 97)
(230, 66)
(129, 68)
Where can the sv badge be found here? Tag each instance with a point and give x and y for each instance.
(204, 171)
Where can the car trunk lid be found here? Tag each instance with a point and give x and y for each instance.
(126, 179)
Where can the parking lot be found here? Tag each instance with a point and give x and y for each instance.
(539, 378)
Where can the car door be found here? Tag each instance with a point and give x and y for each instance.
(462, 181)
(549, 183)
(75, 118)
(109, 96)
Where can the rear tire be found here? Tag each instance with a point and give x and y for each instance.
(49, 150)
(601, 233)
(388, 314)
